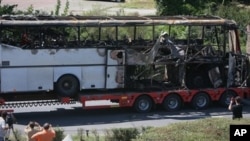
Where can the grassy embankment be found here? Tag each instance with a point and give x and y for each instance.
(209, 129)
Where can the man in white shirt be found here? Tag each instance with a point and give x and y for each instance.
(3, 125)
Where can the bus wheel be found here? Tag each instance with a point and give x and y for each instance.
(226, 97)
(200, 101)
(67, 85)
(172, 102)
(143, 104)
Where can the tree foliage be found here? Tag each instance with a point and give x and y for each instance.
(191, 7)
(237, 10)
(58, 6)
(7, 9)
(66, 9)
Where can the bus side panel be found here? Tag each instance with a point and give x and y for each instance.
(93, 77)
(115, 69)
(40, 78)
(50, 57)
(26, 79)
(13, 79)
(115, 77)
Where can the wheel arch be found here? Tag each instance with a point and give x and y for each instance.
(144, 95)
(171, 94)
(201, 92)
(68, 74)
(62, 71)
(67, 85)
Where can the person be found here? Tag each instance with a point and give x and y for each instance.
(4, 126)
(236, 108)
(46, 134)
(32, 128)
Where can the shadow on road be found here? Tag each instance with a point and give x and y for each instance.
(79, 117)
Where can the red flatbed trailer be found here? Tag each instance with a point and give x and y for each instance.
(171, 100)
(144, 101)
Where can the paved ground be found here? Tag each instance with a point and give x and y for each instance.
(45, 5)
(78, 6)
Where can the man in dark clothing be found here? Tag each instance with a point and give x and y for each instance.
(236, 108)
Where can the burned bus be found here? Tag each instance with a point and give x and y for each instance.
(80, 53)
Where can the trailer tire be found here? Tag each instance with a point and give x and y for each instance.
(143, 104)
(172, 102)
(226, 97)
(67, 85)
(201, 101)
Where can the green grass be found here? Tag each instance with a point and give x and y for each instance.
(210, 129)
(145, 4)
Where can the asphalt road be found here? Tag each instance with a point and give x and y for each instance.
(51, 4)
(79, 6)
(72, 117)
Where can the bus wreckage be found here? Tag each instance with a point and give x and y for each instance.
(77, 54)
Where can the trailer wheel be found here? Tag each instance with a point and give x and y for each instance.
(172, 103)
(200, 101)
(67, 85)
(143, 104)
(226, 97)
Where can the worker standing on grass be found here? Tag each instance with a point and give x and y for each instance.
(46, 134)
(236, 108)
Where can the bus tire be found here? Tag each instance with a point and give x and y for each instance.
(143, 104)
(226, 97)
(67, 85)
(172, 102)
(201, 101)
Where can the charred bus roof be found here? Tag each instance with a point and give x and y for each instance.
(26, 20)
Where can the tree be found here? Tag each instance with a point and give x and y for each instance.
(58, 6)
(7, 9)
(188, 7)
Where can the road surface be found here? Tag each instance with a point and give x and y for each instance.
(72, 117)
(79, 7)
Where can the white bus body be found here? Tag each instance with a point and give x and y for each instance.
(37, 70)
